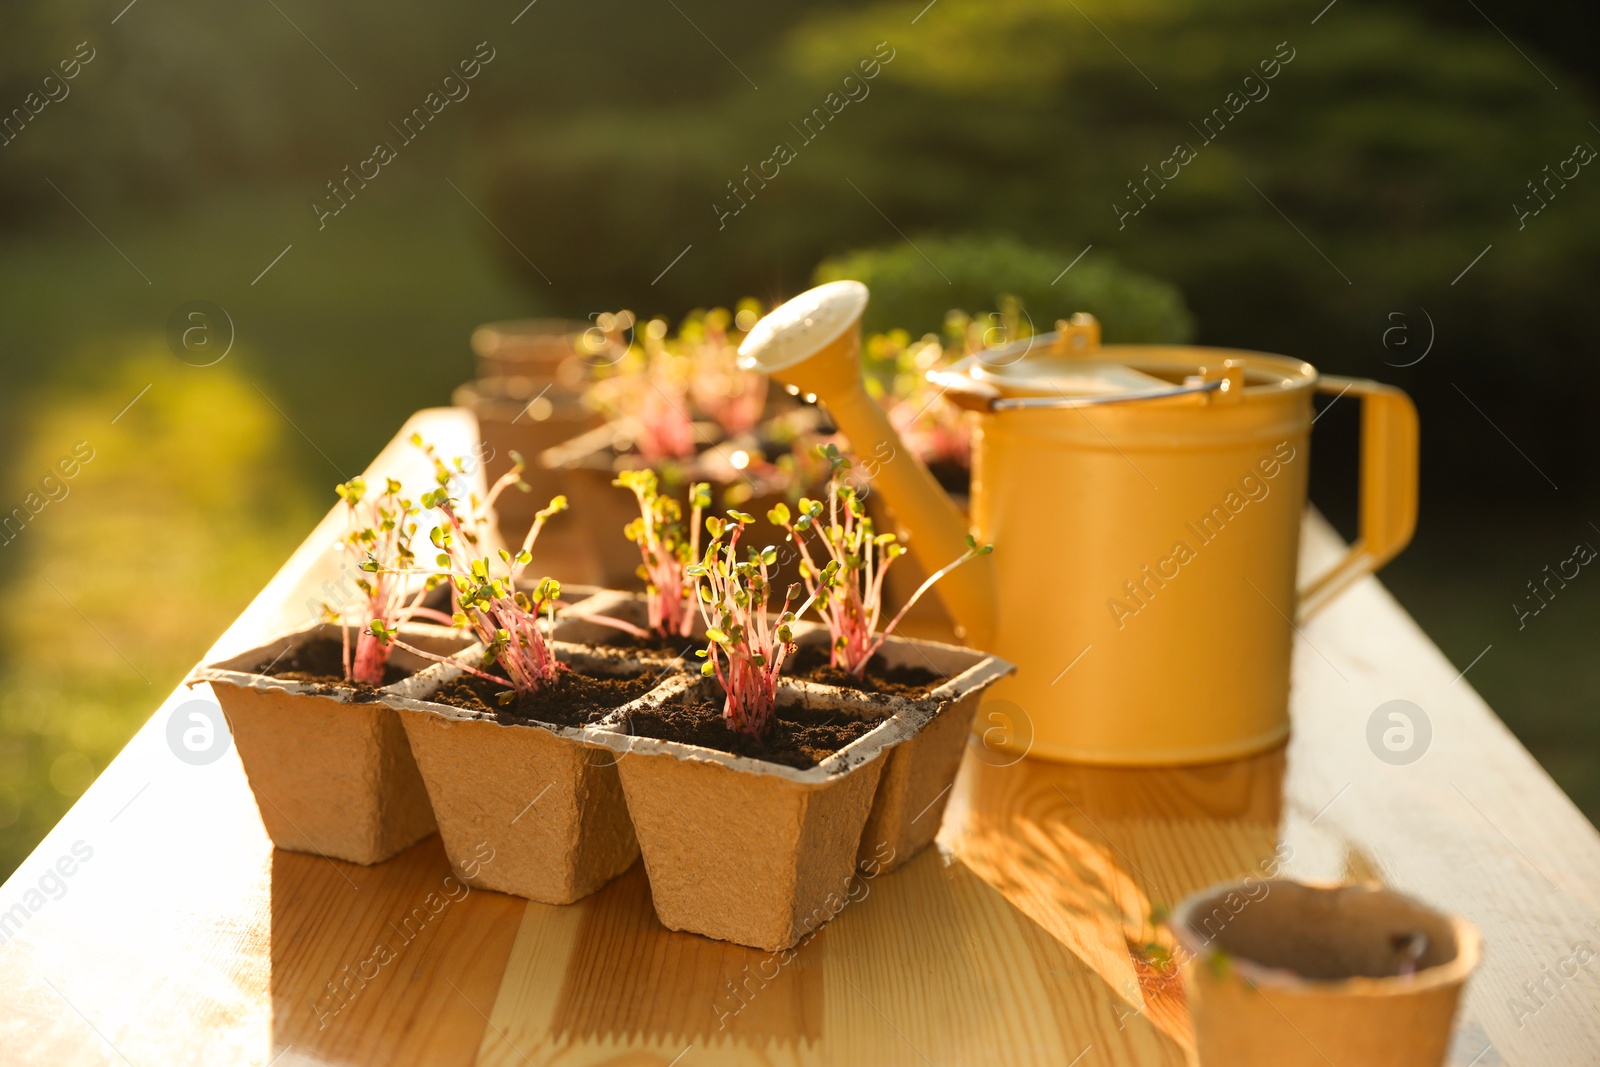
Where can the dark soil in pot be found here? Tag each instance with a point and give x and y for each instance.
(320, 661)
(673, 647)
(574, 700)
(953, 477)
(810, 663)
(797, 737)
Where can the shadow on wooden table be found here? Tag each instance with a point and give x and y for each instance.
(1038, 897)
(1093, 855)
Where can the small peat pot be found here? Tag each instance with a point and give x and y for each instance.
(528, 348)
(941, 686)
(1286, 974)
(743, 471)
(526, 782)
(523, 415)
(326, 759)
(754, 842)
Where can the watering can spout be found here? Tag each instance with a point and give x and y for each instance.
(813, 344)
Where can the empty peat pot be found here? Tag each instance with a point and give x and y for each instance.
(328, 762)
(523, 416)
(1286, 974)
(529, 348)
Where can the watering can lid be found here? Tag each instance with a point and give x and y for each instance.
(1068, 368)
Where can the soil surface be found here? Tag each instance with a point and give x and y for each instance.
(810, 663)
(672, 647)
(574, 700)
(797, 737)
(320, 661)
(953, 477)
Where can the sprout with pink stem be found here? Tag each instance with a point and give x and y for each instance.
(648, 389)
(379, 528)
(848, 588)
(506, 620)
(734, 398)
(659, 533)
(746, 647)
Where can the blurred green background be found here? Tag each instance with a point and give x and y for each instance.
(598, 160)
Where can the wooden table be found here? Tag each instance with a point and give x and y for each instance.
(181, 937)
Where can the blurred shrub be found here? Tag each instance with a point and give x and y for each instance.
(974, 273)
(184, 510)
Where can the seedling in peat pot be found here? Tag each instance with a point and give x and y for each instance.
(659, 532)
(379, 529)
(848, 588)
(746, 647)
(504, 618)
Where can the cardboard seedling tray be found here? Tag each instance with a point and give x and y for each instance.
(761, 853)
(329, 766)
(542, 800)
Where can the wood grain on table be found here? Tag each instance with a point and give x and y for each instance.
(181, 937)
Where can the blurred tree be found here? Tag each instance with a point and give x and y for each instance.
(199, 95)
(1382, 158)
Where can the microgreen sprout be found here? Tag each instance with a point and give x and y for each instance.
(503, 617)
(847, 582)
(745, 646)
(732, 397)
(456, 476)
(667, 550)
(648, 389)
(663, 382)
(379, 529)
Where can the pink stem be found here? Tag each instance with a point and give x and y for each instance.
(606, 620)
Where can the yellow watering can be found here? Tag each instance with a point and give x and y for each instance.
(1145, 504)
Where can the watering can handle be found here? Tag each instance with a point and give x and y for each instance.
(1388, 487)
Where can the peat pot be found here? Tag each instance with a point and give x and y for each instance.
(918, 773)
(1286, 974)
(914, 787)
(528, 808)
(528, 348)
(328, 764)
(762, 854)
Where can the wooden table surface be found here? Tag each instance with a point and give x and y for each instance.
(181, 937)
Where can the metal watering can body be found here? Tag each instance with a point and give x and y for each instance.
(1145, 504)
